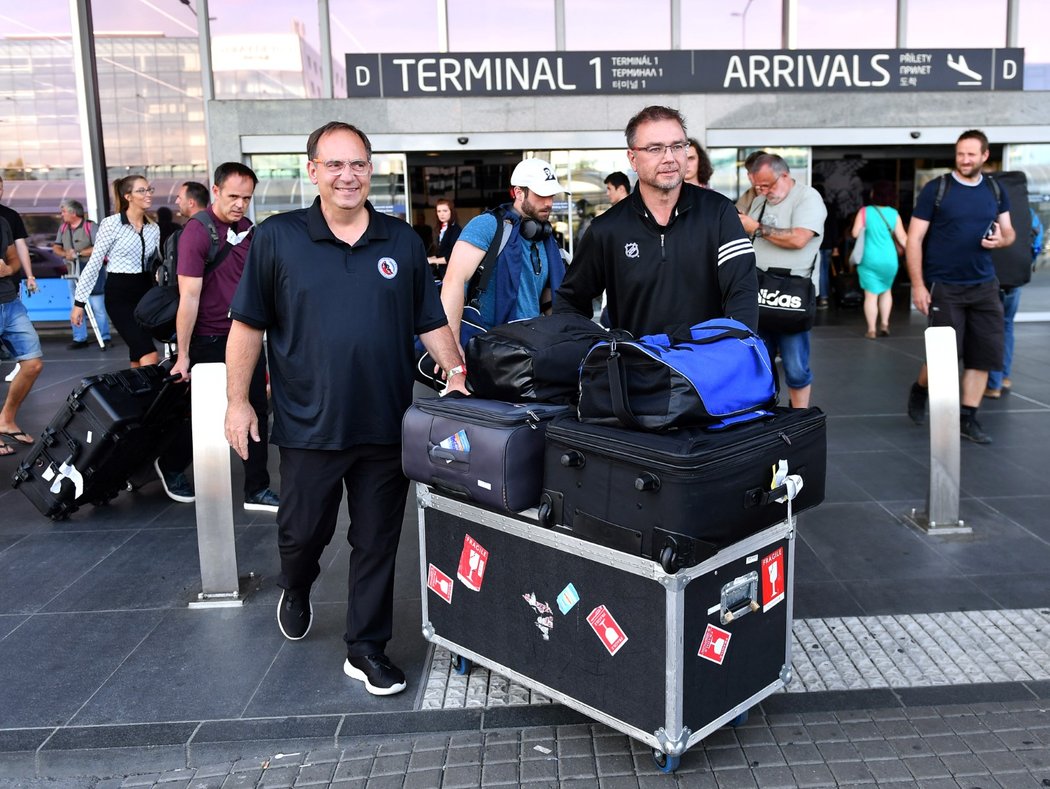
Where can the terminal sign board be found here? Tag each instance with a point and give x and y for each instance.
(683, 71)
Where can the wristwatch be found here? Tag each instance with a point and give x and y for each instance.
(757, 233)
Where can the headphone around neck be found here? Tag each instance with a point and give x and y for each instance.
(535, 230)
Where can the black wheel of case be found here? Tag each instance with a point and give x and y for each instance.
(668, 557)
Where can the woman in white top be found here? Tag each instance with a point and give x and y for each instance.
(127, 243)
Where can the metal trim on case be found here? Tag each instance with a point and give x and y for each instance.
(675, 746)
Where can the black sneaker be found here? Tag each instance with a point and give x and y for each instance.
(295, 613)
(176, 485)
(970, 428)
(78, 345)
(917, 398)
(264, 500)
(381, 677)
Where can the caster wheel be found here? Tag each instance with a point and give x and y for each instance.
(668, 557)
(460, 665)
(666, 763)
(545, 514)
(739, 720)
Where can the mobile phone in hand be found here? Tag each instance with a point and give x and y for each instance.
(991, 230)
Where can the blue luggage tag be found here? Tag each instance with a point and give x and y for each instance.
(457, 441)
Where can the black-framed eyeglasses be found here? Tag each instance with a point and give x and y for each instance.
(534, 258)
(658, 149)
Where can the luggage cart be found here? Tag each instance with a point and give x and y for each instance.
(663, 658)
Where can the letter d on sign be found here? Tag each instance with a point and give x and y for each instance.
(1009, 69)
(362, 76)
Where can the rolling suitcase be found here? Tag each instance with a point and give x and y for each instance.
(485, 450)
(679, 497)
(109, 428)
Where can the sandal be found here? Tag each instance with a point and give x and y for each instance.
(884, 331)
(5, 450)
(870, 335)
(19, 437)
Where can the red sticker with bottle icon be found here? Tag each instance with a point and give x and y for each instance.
(472, 563)
(715, 644)
(439, 583)
(774, 584)
(607, 629)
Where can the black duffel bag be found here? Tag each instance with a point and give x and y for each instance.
(535, 360)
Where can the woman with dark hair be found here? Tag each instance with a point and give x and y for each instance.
(128, 242)
(698, 169)
(883, 236)
(446, 231)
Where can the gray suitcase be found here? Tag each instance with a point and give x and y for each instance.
(487, 451)
(666, 659)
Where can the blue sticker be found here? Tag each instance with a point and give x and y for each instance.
(568, 598)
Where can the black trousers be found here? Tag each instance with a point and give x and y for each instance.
(312, 482)
(177, 457)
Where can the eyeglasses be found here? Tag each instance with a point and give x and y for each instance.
(144, 190)
(767, 187)
(336, 166)
(657, 149)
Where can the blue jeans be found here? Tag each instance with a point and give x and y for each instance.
(17, 333)
(824, 291)
(1011, 301)
(98, 307)
(794, 355)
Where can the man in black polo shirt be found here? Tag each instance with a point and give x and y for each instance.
(340, 291)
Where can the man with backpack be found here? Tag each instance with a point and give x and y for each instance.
(957, 220)
(528, 266)
(73, 243)
(211, 251)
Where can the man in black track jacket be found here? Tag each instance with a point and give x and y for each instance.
(670, 255)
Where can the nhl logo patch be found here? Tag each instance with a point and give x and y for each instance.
(631, 249)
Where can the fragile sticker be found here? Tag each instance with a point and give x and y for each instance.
(607, 629)
(439, 583)
(568, 598)
(545, 620)
(774, 584)
(472, 563)
(715, 644)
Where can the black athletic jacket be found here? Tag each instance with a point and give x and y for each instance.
(700, 266)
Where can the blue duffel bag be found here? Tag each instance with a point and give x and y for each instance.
(719, 376)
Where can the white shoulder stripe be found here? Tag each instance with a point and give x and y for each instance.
(723, 258)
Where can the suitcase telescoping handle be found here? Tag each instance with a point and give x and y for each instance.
(168, 381)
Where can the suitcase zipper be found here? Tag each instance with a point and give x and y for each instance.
(527, 415)
(613, 447)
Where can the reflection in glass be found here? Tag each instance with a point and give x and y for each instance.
(731, 24)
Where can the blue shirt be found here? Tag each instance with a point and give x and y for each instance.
(953, 253)
(479, 233)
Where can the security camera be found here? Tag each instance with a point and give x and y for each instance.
(916, 135)
(462, 140)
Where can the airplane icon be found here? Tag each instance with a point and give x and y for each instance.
(960, 66)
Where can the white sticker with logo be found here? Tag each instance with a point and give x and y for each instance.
(387, 268)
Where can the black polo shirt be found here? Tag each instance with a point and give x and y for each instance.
(339, 323)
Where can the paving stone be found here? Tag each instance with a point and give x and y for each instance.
(143, 779)
(885, 771)
(851, 773)
(498, 774)
(385, 782)
(315, 774)
(426, 760)
(352, 769)
(610, 764)
(279, 777)
(242, 780)
(927, 767)
(774, 777)
(946, 744)
(801, 754)
(423, 779)
(462, 777)
(964, 764)
(574, 747)
(463, 756)
(393, 764)
(726, 758)
(537, 770)
(735, 779)
(873, 750)
(618, 782)
(1001, 762)
(812, 775)
(763, 756)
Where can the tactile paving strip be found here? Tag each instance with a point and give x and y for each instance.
(852, 653)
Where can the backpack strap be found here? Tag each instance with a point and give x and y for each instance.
(942, 190)
(479, 283)
(215, 254)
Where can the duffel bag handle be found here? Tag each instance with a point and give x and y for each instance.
(618, 390)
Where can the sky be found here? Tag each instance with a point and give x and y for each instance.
(411, 25)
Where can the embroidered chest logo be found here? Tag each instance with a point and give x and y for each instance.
(387, 268)
(631, 249)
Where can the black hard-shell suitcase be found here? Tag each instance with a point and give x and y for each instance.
(110, 427)
(680, 497)
(487, 451)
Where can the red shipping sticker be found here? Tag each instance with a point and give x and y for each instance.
(610, 633)
(439, 583)
(472, 563)
(774, 584)
(715, 644)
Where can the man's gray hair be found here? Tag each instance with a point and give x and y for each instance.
(771, 160)
(75, 206)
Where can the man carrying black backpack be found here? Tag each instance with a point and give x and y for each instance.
(212, 249)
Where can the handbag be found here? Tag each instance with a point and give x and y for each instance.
(718, 376)
(893, 238)
(787, 303)
(857, 255)
(534, 360)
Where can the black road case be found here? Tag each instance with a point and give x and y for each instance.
(679, 497)
(666, 659)
(110, 427)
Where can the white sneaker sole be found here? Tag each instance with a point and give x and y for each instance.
(359, 675)
(260, 508)
(163, 484)
(280, 627)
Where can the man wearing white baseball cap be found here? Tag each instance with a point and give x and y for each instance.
(528, 267)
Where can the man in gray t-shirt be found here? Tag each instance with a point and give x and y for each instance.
(785, 222)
